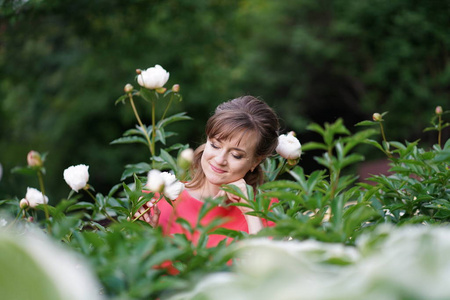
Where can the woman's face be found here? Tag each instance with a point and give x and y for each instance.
(226, 161)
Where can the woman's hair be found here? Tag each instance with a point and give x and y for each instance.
(242, 115)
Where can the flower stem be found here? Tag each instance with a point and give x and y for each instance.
(439, 130)
(144, 129)
(41, 185)
(384, 139)
(152, 146)
(167, 107)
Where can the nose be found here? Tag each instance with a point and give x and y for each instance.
(221, 158)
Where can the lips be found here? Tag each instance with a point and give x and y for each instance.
(217, 170)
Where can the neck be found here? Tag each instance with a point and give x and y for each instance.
(207, 190)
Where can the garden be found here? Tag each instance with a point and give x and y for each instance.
(104, 102)
(334, 237)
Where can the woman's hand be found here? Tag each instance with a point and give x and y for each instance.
(254, 223)
(242, 185)
(149, 212)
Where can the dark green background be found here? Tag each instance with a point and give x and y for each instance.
(64, 63)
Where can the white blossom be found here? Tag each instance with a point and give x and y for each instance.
(155, 182)
(153, 78)
(172, 187)
(76, 176)
(165, 183)
(289, 146)
(35, 197)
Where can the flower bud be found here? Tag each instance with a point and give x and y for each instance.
(138, 71)
(289, 146)
(153, 78)
(176, 88)
(34, 159)
(161, 90)
(128, 88)
(377, 117)
(35, 197)
(77, 177)
(24, 203)
(439, 110)
(186, 158)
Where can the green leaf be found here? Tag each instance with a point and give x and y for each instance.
(139, 168)
(175, 118)
(366, 123)
(129, 140)
(168, 159)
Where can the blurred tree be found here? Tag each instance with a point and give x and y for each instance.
(64, 63)
(321, 60)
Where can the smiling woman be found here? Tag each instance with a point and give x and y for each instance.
(240, 135)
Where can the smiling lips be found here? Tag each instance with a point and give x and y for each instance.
(217, 170)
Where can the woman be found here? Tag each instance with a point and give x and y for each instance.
(240, 135)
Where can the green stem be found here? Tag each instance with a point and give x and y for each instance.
(439, 131)
(167, 107)
(384, 139)
(41, 185)
(144, 129)
(104, 210)
(153, 128)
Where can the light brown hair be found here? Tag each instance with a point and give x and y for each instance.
(242, 115)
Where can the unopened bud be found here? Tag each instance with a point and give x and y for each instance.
(377, 117)
(293, 162)
(439, 110)
(292, 133)
(186, 158)
(24, 203)
(30, 219)
(161, 90)
(128, 88)
(34, 159)
(176, 88)
(138, 71)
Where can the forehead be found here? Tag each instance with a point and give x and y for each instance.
(245, 140)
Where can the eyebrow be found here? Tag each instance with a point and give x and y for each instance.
(233, 148)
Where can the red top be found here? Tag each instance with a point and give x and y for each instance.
(188, 208)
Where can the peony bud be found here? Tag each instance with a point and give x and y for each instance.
(138, 71)
(186, 158)
(128, 88)
(377, 117)
(35, 197)
(176, 88)
(289, 146)
(155, 181)
(34, 159)
(439, 110)
(153, 78)
(77, 177)
(23, 203)
(161, 90)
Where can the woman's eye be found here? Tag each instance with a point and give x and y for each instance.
(214, 146)
(237, 156)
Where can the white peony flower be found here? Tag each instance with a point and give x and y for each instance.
(289, 146)
(165, 183)
(76, 177)
(172, 187)
(155, 181)
(153, 78)
(35, 197)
